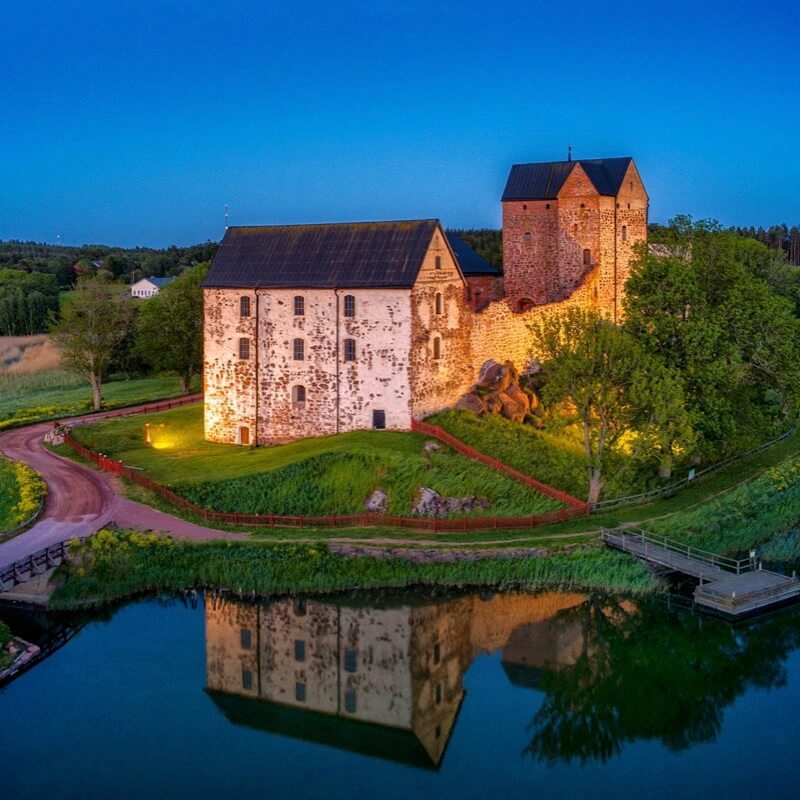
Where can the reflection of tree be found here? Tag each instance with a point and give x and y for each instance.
(650, 673)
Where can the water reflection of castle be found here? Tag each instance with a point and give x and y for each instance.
(320, 670)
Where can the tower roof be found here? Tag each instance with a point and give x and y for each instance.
(543, 181)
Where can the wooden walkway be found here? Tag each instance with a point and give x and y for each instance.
(734, 587)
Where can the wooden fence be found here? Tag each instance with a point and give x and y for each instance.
(470, 452)
(32, 565)
(576, 508)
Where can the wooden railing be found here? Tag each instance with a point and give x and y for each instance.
(363, 520)
(32, 565)
(660, 548)
(465, 449)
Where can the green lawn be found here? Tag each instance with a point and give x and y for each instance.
(555, 457)
(55, 394)
(324, 475)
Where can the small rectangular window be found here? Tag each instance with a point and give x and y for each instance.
(437, 348)
(299, 350)
(527, 236)
(299, 650)
(350, 701)
(624, 233)
(438, 262)
(244, 349)
(437, 653)
(244, 306)
(378, 419)
(246, 639)
(247, 679)
(299, 305)
(587, 257)
(351, 660)
(300, 692)
(300, 606)
(349, 305)
(349, 349)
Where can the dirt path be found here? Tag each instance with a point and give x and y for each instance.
(80, 501)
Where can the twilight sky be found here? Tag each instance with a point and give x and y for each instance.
(132, 122)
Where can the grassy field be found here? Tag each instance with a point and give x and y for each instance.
(21, 491)
(114, 565)
(324, 475)
(555, 457)
(53, 394)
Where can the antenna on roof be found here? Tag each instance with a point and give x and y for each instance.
(569, 152)
(58, 239)
(226, 216)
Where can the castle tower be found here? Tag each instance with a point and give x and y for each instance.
(569, 223)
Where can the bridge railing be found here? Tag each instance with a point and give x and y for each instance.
(648, 545)
(35, 564)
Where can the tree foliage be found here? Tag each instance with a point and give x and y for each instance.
(602, 378)
(170, 326)
(27, 299)
(94, 322)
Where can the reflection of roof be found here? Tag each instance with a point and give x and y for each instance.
(544, 181)
(523, 676)
(468, 260)
(347, 255)
(392, 744)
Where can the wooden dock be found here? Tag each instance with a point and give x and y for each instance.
(733, 587)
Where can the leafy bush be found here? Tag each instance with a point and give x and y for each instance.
(21, 492)
(115, 564)
(5, 634)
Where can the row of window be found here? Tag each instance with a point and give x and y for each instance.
(349, 347)
(300, 305)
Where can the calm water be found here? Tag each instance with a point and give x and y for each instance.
(505, 696)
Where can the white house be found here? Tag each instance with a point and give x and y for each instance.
(149, 287)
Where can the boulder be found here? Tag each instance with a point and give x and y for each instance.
(377, 502)
(497, 377)
(429, 503)
(471, 402)
(513, 409)
(493, 403)
(516, 394)
(431, 446)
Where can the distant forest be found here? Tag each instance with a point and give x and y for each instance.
(66, 264)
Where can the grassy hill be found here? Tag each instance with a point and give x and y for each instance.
(323, 475)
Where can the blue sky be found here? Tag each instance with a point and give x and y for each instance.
(133, 123)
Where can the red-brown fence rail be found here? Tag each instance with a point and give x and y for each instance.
(470, 452)
(364, 520)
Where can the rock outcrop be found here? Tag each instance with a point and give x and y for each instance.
(501, 390)
(429, 503)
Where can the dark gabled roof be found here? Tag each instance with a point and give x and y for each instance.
(544, 181)
(347, 255)
(469, 262)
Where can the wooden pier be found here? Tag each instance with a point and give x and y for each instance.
(734, 587)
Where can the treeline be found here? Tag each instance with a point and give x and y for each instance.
(27, 301)
(66, 264)
(486, 242)
(102, 332)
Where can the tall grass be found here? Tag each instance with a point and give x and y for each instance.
(553, 456)
(115, 565)
(763, 513)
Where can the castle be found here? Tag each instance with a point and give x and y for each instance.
(320, 329)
